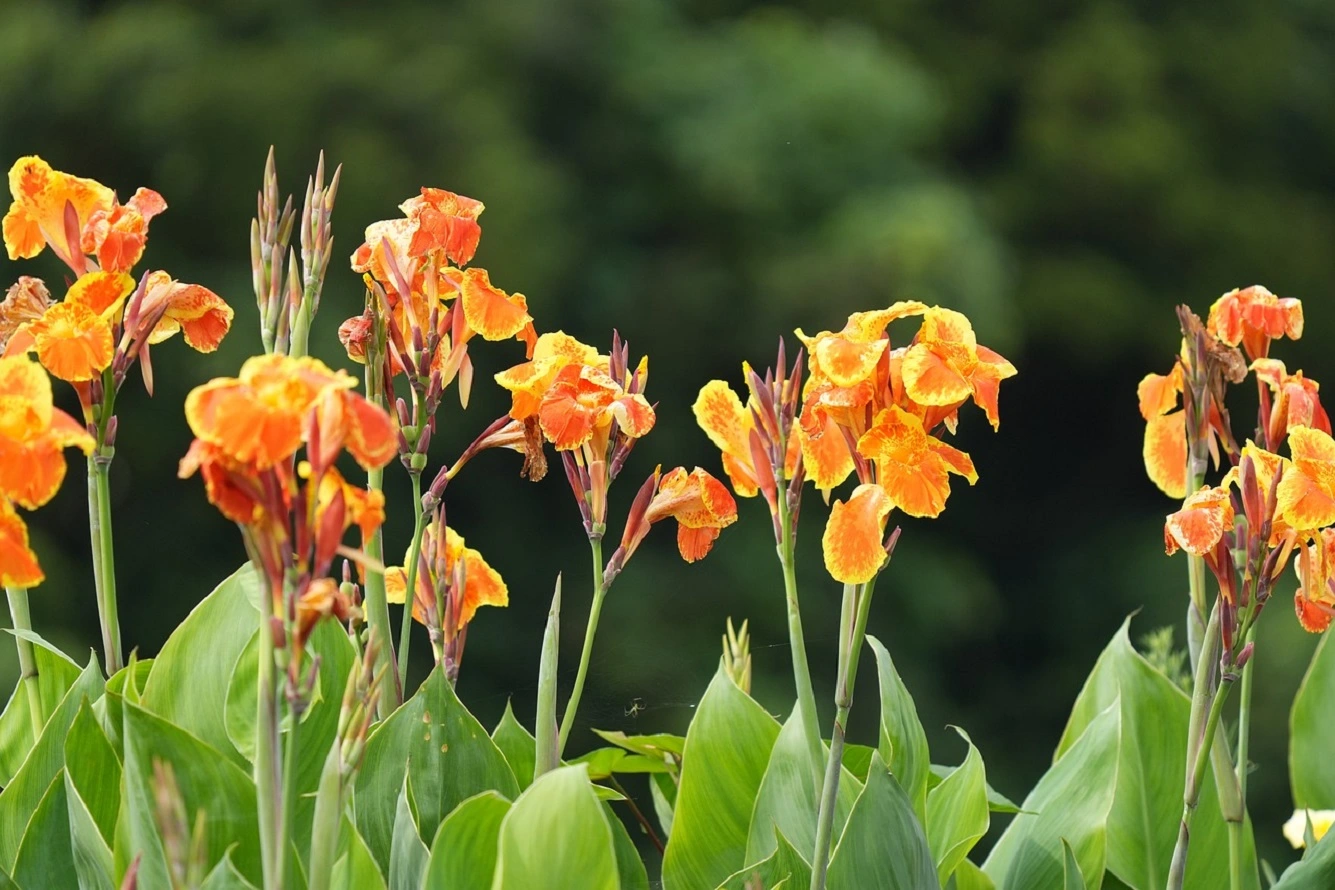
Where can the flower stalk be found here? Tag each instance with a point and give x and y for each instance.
(22, 620)
(414, 557)
(590, 631)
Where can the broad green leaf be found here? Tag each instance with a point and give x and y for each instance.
(94, 770)
(517, 744)
(448, 754)
(657, 745)
(56, 673)
(604, 762)
(93, 863)
(1147, 805)
(126, 684)
(555, 837)
(663, 791)
(355, 868)
(21, 796)
(1071, 802)
(190, 677)
(957, 812)
(903, 743)
(723, 762)
(1315, 871)
(789, 798)
(1071, 876)
(784, 864)
(883, 844)
(996, 801)
(1311, 727)
(630, 868)
(857, 760)
(407, 854)
(207, 780)
(224, 876)
(463, 853)
(969, 876)
(45, 858)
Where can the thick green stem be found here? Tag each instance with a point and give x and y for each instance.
(590, 630)
(410, 591)
(104, 559)
(1236, 827)
(289, 803)
(18, 612)
(843, 700)
(806, 696)
(377, 615)
(327, 820)
(268, 780)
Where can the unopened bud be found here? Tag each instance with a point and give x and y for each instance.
(112, 425)
(1245, 655)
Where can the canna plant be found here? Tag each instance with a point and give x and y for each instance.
(275, 740)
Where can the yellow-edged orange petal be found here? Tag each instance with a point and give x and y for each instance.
(848, 363)
(930, 379)
(483, 585)
(1158, 393)
(72, 342)
(40, 197)
(719, 412)
(18, 564)
(853, 542)
(489, 310)
(1201, 523)
(1165, 453)
(825, 452)
(913, 467)
(634, 415)
(202, 316)
(102, 293)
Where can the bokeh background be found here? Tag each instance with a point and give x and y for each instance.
(706, 176)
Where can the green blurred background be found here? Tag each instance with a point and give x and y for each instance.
(705, 176)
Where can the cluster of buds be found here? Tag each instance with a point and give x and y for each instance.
(451, 583)
(288, 304)
(357, 713)
(293, 517)
(737, 656)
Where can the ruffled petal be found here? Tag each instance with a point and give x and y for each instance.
(489, 310)
(18, 564)
(1165, 453)
(72, 342)
(853, 542)
(1198, 527)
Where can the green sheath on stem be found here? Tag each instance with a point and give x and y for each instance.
(544, 725)
(18, 611)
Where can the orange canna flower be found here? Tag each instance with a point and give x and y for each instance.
(1314, 600)
(33, 435)
(37, 216)
(580, 405)
(1253, 316)
(18, 564)
(446, 222)
(853, 542)
(719, 412)
(232, 486)
(850, 356)
(1306, 497)
(483, 585)
(1297, 400)
(529, 382)
(1199, 526)
(117, 235)
(913, 467)
(701, 505)
(945, 365)
(489, 310)
(200, 315)
(72, 342)
(26, 301)
(1165, 448)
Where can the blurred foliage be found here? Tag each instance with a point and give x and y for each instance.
(706, 176)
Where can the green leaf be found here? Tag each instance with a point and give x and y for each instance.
(957, 812)
(319, 725)
(857, 760)
(1071, 802)
(555, 837)
(784, 864)
(1315, 871)
(657, 745)
(355, 868)
(663, 791)
(969, 876)
(93, 861)
(1072, 878)
(30, 784)
(463, 853)
(631, 873)
(189, 682)
(45, 858)
(56, 673)
(883, 845)
(1147, 804)
(448, 754)
(126, 684)
(207, 780)
(788, 798)
(407, 854)
(92, 767)
(996, 801)
(225, 876)
(903, 743)
(724, 759)
(1311, 727)
(518, 746)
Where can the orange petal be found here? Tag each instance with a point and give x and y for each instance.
(102, 293)
(1313, 616)
(695, 543)
(396, 585)
(489, 310)
(18, 564)
(634, 415)
(72, 342)
(22, 234)
(853, 542)
(25, 390)
(1165, 453)
(370, 437)
(1201, 523)
(483, 586)
(1158, 392)
(826, 456)
(528, 383)
(848, 363)
(931, 380)
(204, 318)
(719, 412)
(1303, 502)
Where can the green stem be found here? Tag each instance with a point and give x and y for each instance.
(843, 699)
(301, 331)
(590, 630)
(107, 611)
(414, 552)
(18, 611)
(377, 614)
(267, 778)
(806, 696)
(325, 824)
(289, 801)
(1235, 828)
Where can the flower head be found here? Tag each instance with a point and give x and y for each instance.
(50, 207)
(1200, 525)
(1253, 316)
(1307, 492)
(117, 235)
(1297, 401)
(912, 466)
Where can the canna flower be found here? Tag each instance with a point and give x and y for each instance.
(116, 236)
(1314, 600)
(853, 542)
(482, 584)
(1200, 525)
(437, 223)
(912, 466)
(1165, 448)
(26, 301)
(729, 426)
(38, 215)
(700, 503)
(1296, 400)
(1306, 497)
(851, 356)
(1252, 317)
(529, 382)
(945, 365)
(259, 418)
(581, 404)
(1295, 829)
(197, 313)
